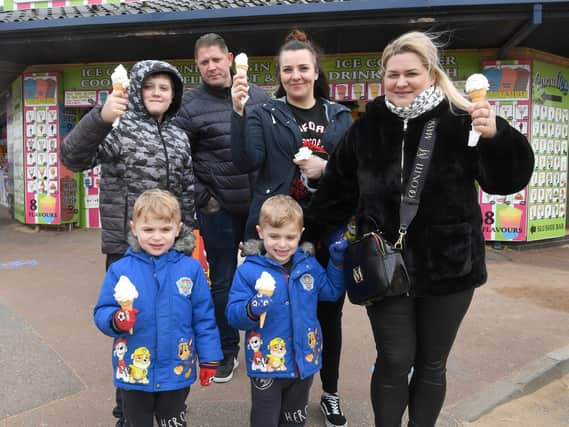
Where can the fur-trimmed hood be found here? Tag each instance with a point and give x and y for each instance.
(255, 247)
(185, 242)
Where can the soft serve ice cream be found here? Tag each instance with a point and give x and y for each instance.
(265, 285)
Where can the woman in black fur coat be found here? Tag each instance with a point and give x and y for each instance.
(444, 245)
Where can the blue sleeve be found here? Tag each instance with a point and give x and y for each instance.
(331, 283)
(208, 343)
(241, 292)
(107, 305)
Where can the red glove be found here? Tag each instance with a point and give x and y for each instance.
(123, 320)
(207, 372)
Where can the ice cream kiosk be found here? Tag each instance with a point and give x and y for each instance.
(45, 191)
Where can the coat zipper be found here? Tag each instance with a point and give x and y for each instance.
(165, 156)
(403, 149)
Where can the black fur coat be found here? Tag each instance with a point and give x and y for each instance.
(444, 249)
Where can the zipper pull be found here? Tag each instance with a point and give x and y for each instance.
(405, 125)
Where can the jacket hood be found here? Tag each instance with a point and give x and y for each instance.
(140, 71)
(255, 247)
(184, 243)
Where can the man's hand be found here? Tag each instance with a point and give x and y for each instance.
(115, 106)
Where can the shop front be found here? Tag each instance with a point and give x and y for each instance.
(530, 91)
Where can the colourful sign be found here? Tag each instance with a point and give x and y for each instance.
(30, 4)
(549, 139)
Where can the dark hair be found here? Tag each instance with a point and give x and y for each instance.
(297, 40)
(210, 39)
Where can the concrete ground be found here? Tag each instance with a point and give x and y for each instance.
(55, 365)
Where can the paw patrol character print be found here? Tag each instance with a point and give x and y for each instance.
(119, 350)
(138, 369)
(185, 286)
(254, 343)
(307, 281)
(185, 355)
(276, 358)
(315, 344)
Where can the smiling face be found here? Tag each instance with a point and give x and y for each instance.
(157, 94)
(298, 73)
(280, 242)
(155, 236)
(214, 65)
(405, 78)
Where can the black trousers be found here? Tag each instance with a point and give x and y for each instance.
(279, 402)
(169, 407)
(330, 318)
(419, 333)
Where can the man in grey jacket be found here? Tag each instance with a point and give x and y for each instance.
(222, 193)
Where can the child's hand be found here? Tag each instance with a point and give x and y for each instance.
(207, 372)
(259, 304)
(124, 320)
(337, 250)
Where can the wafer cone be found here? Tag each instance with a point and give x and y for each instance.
(477, 95)
(118, 86)
(263, 316)
(127, 306)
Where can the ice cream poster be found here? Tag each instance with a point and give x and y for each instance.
(549, 139)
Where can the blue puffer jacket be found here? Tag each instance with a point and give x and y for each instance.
(290, 343)
(267, 138)
(175, 324)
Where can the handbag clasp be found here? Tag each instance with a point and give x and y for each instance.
(401, 240)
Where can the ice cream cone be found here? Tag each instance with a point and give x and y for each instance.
(477, 95)
(127, 306)
(242, 67)
(263, 316)
(118, 86)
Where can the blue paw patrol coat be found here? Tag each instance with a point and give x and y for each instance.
(290, 343)
(175, 325)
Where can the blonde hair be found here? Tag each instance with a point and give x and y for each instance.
(158, 204)
(425, 46)
(279, 210)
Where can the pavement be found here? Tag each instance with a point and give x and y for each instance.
(509, 365)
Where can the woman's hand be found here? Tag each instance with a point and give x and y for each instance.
(313, 167)
(115, 106)
(483, 119)
(239, 91)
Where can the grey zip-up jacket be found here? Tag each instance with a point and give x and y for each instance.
(138, 155)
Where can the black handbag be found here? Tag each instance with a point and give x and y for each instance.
(374, 268)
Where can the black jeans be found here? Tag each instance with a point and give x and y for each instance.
(169, 407)
(330, 318)
(279, 402)
(222, 232)
(419, 333)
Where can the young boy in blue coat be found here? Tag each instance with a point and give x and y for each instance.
(156, 304)
(274, 298)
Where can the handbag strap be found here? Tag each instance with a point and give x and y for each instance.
(410, 199)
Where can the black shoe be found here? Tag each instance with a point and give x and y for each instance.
(122, 422)
(333, 415)
(224, 372)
